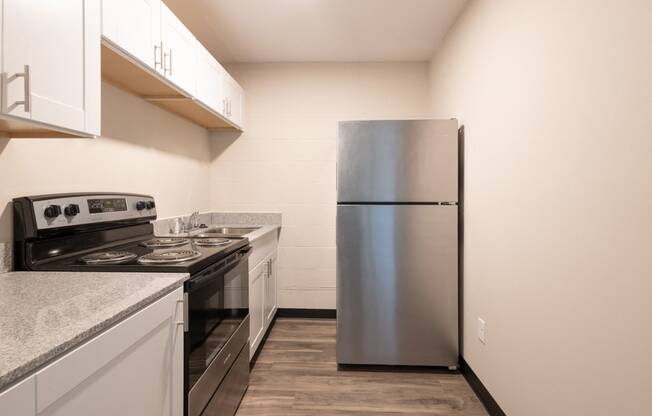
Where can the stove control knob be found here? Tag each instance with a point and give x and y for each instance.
(53, 211)
(140, 205)
(71, 210)
(150, 204)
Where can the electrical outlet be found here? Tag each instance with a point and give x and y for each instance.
(482, 330)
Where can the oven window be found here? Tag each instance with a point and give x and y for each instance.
(217, 306)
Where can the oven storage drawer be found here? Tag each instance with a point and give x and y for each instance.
(203, 390)
(227, 398)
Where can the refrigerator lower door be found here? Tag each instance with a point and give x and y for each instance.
(397, 285)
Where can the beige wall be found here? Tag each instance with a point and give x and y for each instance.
(556, 98)
(286, 159)
(143, 149)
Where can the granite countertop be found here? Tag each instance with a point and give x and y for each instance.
(256, 234)
(45, 314)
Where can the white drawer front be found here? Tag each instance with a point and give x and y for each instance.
(261, 248)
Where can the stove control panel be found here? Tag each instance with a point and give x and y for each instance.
(57, 211)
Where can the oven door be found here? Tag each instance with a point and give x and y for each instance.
(218, 309)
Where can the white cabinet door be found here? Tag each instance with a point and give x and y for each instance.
(51, 62)
(270, 289)
(256, 299)
(179, 51)
(209, 80)
(234, 100)
(19, 400)
(133, 369)
(135, 26)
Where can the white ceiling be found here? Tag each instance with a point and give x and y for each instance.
(318, 30)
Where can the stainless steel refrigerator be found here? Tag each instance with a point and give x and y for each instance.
(397, 243)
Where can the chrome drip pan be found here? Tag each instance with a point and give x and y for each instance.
(212, 242)
(167, 257)
(164, 242)
(107, 257)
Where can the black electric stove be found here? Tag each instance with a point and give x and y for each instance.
(111, 232)
(127, 249)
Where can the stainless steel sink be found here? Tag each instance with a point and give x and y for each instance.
(227, 232)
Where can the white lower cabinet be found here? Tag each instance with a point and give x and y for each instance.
(19, 400)
(270, 288)
(134, 368)
(256, 313)
(262, 289)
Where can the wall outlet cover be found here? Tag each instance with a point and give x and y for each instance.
(482, 330)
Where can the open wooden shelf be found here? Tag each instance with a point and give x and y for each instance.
(126, 72)
(191, 109)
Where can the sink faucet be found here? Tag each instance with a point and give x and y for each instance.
(193, 221)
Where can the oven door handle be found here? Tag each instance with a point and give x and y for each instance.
(229, 264)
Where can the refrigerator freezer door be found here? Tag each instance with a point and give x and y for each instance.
(397, 161)
(397, 285)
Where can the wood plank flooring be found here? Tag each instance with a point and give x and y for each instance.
(296, 375)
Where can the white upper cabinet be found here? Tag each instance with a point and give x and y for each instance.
(51, 63)
(148, 51)
(179, 52)
(210, 81)
(234, 100)
(135, 25)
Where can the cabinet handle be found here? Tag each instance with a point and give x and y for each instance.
(158, 57)
(27, 101)
(170, 62)
(28, 89)
(184, 301)
(226, 360)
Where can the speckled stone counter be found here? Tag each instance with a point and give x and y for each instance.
(6, 260)
(45, 314)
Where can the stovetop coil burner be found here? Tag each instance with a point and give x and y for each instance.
(108, 257)
(167, 257)
(212, 242)
(164, 242)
